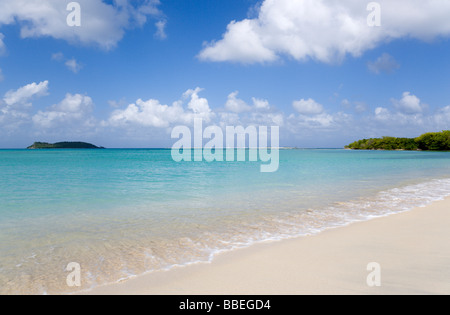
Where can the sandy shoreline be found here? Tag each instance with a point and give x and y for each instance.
(412, 249)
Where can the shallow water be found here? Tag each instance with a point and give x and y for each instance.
(120, 213)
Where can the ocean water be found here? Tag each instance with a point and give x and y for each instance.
(122, 213)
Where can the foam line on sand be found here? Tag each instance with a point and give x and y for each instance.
(411, 248)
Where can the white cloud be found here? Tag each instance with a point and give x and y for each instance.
(385, 63)
(229, 119)
(73, 109)
(408, 117)
(161, 29)
(235, 104)
(149, 122)
(70, 117)
(312, 120)
(102, 24)
(148, 114)
(442, 118)
(238, 112)
(382, 113)
(325, 30)
(308, 107)
(73, 65)
(241, 43)
(266, 119)
(320, 120)
(409, 104)
(152, 113)
(198, 105)
(261, 103)
(15, 107)
(22, 95)
(395, 123)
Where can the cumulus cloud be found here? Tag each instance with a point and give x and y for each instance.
(241, 43)
(311, 120)
(198, 105)
(385, 63)
(407, 116)
(409, 104)
(73, 109)
(102, 24)
(73, 115)
(308, 107)
(325, 30)
(152, 113)
(149, 122)
(442, 118)
(147, 113)
(382, 113)
(23, 95)
(70, 117)
(260, 103)
(395, 123)
(236, 105)
(15, 107)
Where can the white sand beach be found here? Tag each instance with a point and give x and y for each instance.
(411, 248)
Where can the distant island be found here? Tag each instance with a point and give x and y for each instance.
(433, 141)
(63, 145)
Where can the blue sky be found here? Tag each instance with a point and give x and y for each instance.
(314, 68)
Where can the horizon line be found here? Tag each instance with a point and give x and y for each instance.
(162, 148)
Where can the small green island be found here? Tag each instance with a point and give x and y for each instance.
(63, 145)
(432, 141)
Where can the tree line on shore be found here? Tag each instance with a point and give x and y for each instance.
(432, 141)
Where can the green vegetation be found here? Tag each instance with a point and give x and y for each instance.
(63, 145)
(433, 141)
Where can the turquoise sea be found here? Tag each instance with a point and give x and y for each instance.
(122, 213)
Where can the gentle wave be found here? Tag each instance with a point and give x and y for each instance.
(126, 254)
(302, 223)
